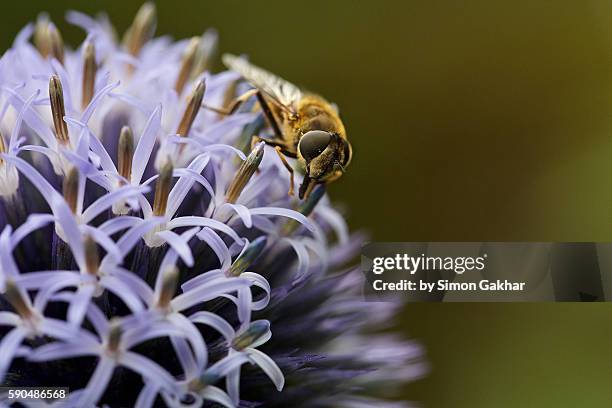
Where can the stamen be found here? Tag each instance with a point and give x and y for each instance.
(56, 95)
(169, 284)
(142, 29)
(245, 172)
(306, 207)
(229, 96)
(16, 299)
(249, 256)
(125, 152)
(56, 43)
(187, 64)
(2, 148)
(89, 73)
(41, 35)
(114, 335)
(162, 189)
(192, 109)
(92, 257)
(255, 331)
(70, 188)
(206, 52)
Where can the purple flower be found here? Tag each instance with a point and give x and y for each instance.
(150, 257)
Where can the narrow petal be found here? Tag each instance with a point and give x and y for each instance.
(147, 396)
(232, 383)
(97, 383)
(302, 255)
(228, 364)
(217, 245)
(62, 350)
(105, 160)
(135, 283)
(149, 370)
(178, 244)
(122, 291)
(203, 278)
(190, 221)
(245, 300)
(9, 319)
(336, 221)
(95, 101)
(107, 200)
(207, 292)
(185, 357)
(241, 211)
(9, 345)
(34, 222)
(268, 366)
(131, 237)
(79, 303)
(31, 117)
(284, 212)
(117, 224)
(215, 394)
(143, 150)
(172, 255)
(216, 322)
(185, 182)
(262, 283)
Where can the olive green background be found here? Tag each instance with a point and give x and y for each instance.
(471, 121)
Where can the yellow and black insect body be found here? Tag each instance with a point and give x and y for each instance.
(305, 125)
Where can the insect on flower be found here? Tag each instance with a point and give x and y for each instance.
(305, 125)
(149, 258)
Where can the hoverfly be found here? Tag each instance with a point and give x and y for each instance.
(305, 125)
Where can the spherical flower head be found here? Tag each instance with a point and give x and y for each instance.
(150, 254)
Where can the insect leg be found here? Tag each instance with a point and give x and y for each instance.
(233, 105)
(274, 143)
(269, 115)
(287, 166)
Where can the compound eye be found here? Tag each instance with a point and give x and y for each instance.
(313, 143)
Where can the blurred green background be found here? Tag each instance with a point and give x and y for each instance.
(471, 121)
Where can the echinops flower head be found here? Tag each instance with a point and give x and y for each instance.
(150, 256)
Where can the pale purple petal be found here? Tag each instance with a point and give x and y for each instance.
(215, 394)
(145, 145)
(262, 283)
(9, 345)
(216, 322)
(122, 291)
(178, 244)
(207, 292)
(79, 303)
(95, 101)
(107, 200)
(217, 245)
(149, 370)
(203, 278)
(34, 222)
(268, 366)
(190, 221)
(147, 396)
(97, 382)
(284, 212)
(63, 350)
(9, 319)
(117, 224)
(242, 211)
(336, 221)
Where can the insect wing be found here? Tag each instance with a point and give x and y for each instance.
(282, 91)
